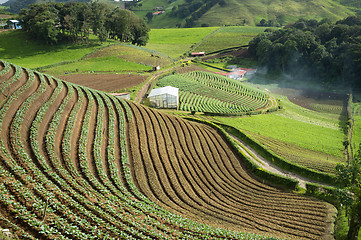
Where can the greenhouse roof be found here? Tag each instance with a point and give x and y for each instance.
(164, 90)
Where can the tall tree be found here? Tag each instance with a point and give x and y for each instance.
(350, 178)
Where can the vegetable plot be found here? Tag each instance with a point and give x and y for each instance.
(66, 173)
(213, 93)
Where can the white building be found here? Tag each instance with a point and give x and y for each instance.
(165, 97)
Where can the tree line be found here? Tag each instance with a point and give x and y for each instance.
(311, 50)
(75, 21)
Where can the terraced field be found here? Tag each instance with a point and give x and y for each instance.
(77, 163)
(212, 93)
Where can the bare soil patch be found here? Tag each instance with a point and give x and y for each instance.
(105, 82)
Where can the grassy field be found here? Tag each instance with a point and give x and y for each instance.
(19, 49)
(308, 138)
(115, 58)
(101, 64)
(228, 37)
(174, 42)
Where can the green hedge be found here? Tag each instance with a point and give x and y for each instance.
(272, 178)
(278, 161)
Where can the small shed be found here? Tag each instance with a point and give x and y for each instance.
(198, 54)
(158, 13)
(122, 95)
(13, 24)
(165, 97)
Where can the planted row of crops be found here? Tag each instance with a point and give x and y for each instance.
(189, 169)
(213, 93)
(65, 172)
(314, 160)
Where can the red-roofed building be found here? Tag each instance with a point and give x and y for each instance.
(158, 13)
(198, 54)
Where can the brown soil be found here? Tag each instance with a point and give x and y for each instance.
(197, 175)
(105, 82)
(185, 167)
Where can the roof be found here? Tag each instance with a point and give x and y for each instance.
(198, 53)
(14, 21)
(164, 90)
(119, 94)
(158, 13)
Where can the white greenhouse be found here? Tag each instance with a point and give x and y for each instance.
(165, 97)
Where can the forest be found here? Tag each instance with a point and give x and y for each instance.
(310, 50)
(74, 21)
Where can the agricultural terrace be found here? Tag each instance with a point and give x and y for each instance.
(212, 93)
(66, 173)
(228, 37)
(305, 137)
(174, 42)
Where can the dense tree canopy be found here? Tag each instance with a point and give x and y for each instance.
(349, 177)
(73, 21)
(313, 50)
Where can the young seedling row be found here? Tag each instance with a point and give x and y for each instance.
(213, 93)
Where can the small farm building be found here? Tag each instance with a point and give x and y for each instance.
(165, 97)
(158, 13)
(122, 95)
(198, 54)
(13, 24)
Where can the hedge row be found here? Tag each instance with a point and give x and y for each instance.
(272, 178)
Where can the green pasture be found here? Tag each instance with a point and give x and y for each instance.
(306, 135)
(101, 64)
(228, 37)
(305, 128)
(17, 48)
(174, 42)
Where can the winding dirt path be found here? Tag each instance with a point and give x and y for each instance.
(263, 163)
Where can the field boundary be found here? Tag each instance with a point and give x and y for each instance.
(279, 161)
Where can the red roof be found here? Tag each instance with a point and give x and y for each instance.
(158, 13)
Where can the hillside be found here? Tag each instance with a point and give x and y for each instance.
(243, 12)
(80, 164)
(226, 12)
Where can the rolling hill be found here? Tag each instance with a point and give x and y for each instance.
(244, 12)
(198, 13)
(77, 163)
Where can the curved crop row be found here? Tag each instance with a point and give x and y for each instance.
(209, 92)
(65, 170)
(197, 175)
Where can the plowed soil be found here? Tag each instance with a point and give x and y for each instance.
(105, 82)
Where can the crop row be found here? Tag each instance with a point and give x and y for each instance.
(195, 174)
(304, 157)
(66, 172)
(208, 92)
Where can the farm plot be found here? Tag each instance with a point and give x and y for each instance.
(314, 160)
(65, 171)
(188, 169)
(105, 82)
(212, 93)
(174, 42)
(228, 37)
(318, 135)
